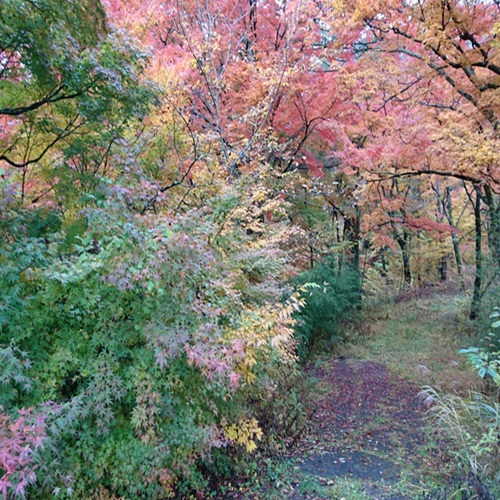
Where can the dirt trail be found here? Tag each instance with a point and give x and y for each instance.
(367, 425)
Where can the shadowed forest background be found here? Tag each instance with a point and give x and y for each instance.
(212, 211)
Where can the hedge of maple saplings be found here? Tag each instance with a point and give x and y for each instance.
(131, 354)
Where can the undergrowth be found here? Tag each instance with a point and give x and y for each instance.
(473, 424)
(329, 302)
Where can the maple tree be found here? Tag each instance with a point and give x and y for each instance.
(72, 81)
(434, 109)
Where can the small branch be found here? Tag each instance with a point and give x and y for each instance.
(51, 98)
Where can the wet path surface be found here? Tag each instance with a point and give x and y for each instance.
(368, 425)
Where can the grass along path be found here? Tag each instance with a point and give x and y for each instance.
(419, 340)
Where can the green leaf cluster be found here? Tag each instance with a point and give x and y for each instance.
(127, 330)
(486, 359)
(332, 299)
(69, 86)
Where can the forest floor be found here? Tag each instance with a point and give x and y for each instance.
(369, 436)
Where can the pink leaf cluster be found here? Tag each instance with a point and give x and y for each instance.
(19, 439)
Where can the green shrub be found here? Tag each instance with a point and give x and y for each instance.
(148, 357)
(328, 303)
(486, 359)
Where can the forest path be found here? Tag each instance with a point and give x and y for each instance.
(366, 438)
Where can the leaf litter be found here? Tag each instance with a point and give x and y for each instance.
(368, 425)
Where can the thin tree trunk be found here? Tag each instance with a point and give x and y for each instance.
(357, 256)
(476, 297)
(442, 266)
(403, 240)
(443, 269)
(406, 267)
(494, 225)
(383, 261)
(340, 254)
(352, 232)
(448, 211)
(311, 256)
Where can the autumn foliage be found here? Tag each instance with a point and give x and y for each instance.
(168, 169)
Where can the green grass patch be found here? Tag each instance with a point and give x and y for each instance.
(419, 339)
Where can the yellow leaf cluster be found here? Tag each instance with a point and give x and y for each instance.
(268, 329)
(244, 433)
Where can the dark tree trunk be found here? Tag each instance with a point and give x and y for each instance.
(443, 269)
(311, 256)
(476, 297)
(403, 240)
(340, 261)
(494, 225)
(383, 261)
(406, 267)
(442, 266)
